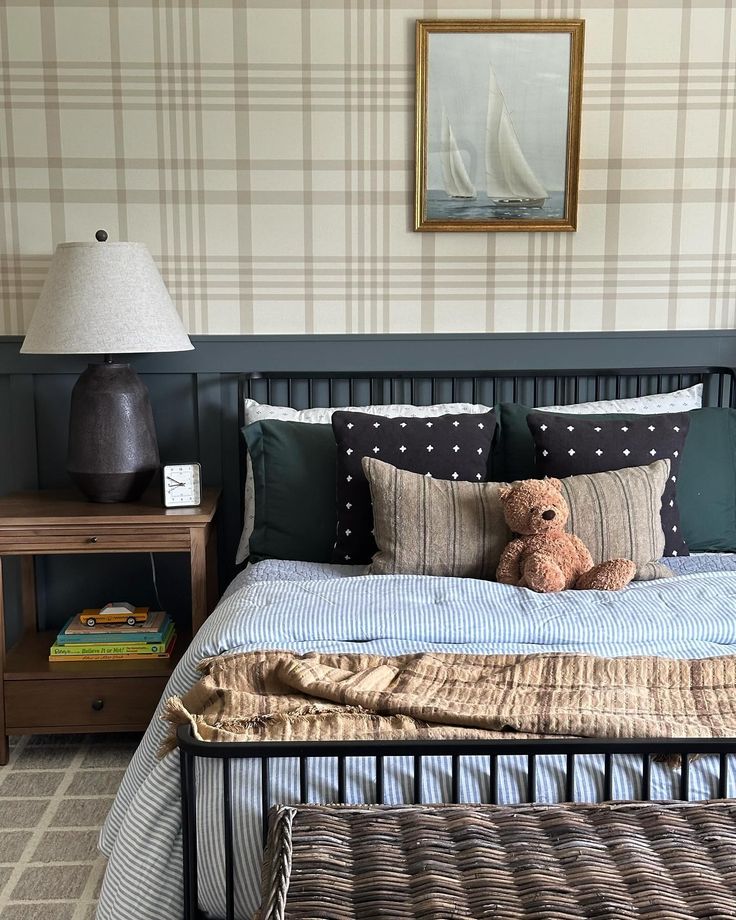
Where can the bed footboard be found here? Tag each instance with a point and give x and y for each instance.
(643, 751)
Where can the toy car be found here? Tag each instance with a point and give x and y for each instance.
(114, 615)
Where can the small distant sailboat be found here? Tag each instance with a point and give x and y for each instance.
(510, 178)
(455, 175)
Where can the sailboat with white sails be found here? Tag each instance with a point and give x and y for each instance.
(510, 180)
(509, 177)
(455, 175)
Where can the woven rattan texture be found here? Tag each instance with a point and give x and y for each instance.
(559, 862)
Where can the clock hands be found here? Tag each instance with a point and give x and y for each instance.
(175, 482)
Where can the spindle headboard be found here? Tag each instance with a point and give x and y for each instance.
(532, 388)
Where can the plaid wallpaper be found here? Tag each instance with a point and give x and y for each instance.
(263, 150)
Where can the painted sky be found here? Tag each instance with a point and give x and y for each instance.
(532, 70)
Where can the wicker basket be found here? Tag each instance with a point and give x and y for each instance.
(557, 862)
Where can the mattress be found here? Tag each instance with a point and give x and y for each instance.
(313, 607)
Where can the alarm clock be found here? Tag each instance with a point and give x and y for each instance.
(181, 484)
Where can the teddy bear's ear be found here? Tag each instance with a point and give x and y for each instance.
(504, 492)
(554, 482)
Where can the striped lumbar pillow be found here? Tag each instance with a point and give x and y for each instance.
(617, 515)
(426, 526)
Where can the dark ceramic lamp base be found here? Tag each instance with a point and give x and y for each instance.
(113, 453)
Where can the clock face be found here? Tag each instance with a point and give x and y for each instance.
(182, 485)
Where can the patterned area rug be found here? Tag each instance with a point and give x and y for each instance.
(54, 795)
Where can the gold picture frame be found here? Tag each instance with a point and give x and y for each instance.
(498, 124)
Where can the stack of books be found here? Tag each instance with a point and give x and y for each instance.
(152, 636)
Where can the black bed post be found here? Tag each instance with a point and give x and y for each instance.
(188, 833)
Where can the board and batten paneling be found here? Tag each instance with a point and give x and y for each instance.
(195, 402)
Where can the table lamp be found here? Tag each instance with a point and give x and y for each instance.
(107, 298)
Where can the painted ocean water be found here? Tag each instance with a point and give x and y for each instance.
(441, 207)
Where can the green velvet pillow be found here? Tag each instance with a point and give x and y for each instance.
(513, 451)
(706, 487)
(294, 481)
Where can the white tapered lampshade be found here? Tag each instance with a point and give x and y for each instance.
(104, 298)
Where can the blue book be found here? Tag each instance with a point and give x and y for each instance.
(153, 630)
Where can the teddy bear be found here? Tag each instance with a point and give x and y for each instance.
(544, 557)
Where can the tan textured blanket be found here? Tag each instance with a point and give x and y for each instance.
(280, 696)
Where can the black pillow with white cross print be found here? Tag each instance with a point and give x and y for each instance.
(445, 447)
(568, 445)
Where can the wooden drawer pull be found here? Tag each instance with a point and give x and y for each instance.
(97, 705)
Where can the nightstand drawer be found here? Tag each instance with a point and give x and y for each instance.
(85, 539)
(122, 702)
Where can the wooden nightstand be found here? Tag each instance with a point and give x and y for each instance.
(43, 696)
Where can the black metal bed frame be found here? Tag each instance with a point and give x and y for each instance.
(264, 752)
(534, 388)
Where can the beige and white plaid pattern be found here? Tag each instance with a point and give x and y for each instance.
(264, 152)
(54, 795)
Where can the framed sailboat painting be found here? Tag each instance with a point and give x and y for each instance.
(498, 124)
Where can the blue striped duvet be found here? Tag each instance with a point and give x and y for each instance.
(311, 607)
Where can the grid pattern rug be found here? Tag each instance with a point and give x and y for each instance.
(54, 795)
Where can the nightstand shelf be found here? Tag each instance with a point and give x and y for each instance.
(39, 695)
(28, 659)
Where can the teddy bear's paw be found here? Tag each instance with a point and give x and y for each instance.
(542, 574)
(612, 575)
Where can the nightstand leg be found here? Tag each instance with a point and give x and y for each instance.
(198, 561)
(213, 580)
(4, 750)
(28, 592)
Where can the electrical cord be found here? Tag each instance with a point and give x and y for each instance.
(155, 581)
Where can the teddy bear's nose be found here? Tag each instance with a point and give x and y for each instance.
(548, 515)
